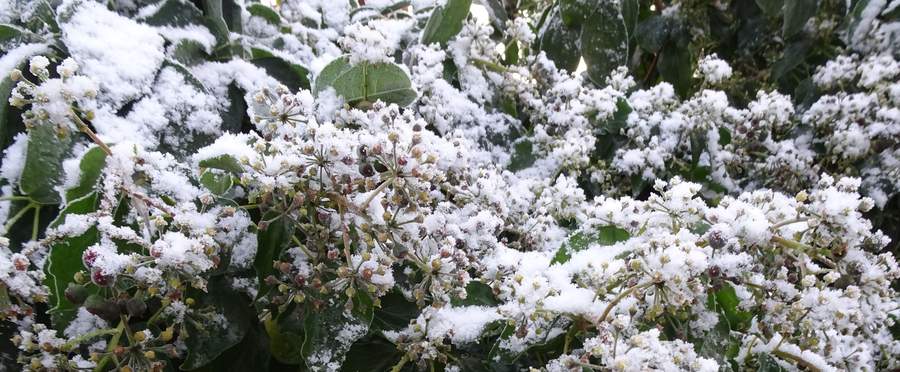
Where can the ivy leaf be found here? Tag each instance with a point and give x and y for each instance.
(270, 243)
(321, 325)
(371, 353)
(522, 157)
(216, 183)
(771, 8)
(252, 353)
(189, 52)
(175, 13)
(796, 13)
(477, 294)
(207, 340)
(395, 312)
(676, 65)
(560, 43)
(573, 12)
(223, 162)
(91, 166)
(446, 21)
(292, 75)
(43, 164)
(264, 12)
(652, 33)
(64, 260)
(604, 41)
(366, 82)
(605, 235)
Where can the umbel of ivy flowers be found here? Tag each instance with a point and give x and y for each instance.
(349, 186)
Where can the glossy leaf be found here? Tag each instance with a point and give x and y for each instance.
(216, 183)
(223, 162)
(90, 167)
(271, 241)
(796, 13)
(446, 21)
(560, 43)
(43, 164)
(209, 339)
(64, 260)
(367, 82)
(264, 12)
(604, 41)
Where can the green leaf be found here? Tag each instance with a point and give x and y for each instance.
(795, 54)
(217, 183)
(477, 294)
(294, 76)
(522, 156)
(43, 164)
(796, 13)
(772, 8)
(252, 353)
(64, 260)
(264, 12)
(604, 41)
(573, 12)
(395, 312)
(726, 303)
(176, 13)
(91, 166)
(371, 353)
(322, 325)
(560, 43)
(367, 82)
(446, 21)
(676, 66)
(604, 235)
(270, 243)
(652, 33)
(223, 162)
(724, 136)
(209, 338)
(285, 343)
(10, 35)
(189, 52)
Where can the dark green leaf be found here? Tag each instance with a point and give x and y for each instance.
(560, 43)
(522, 156)
(796, 13)
(264, 12)
(604, 41)
(64, 260)
(477, 294)
(676, 66)
(652, 33)
(446, 21)
(794, 55)
(371, 353)
(395, 312)
(189, 52)
(293, 76)
(209, 339)
(176, 13)
(91, 166)
(270, 243)
(367, 82)
(216, 183)
(605, 235)
(43, 164)
(772, 8)
(223, 162)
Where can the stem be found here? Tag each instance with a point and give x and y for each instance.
(397, 367)
(798, 359)
(621, 297)
(36, 224)
(375, 192)
(788, 222)
(87, 130)
(488, 65)
(113, 343)
(13, 198)
(87, 336)
(12, 221)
